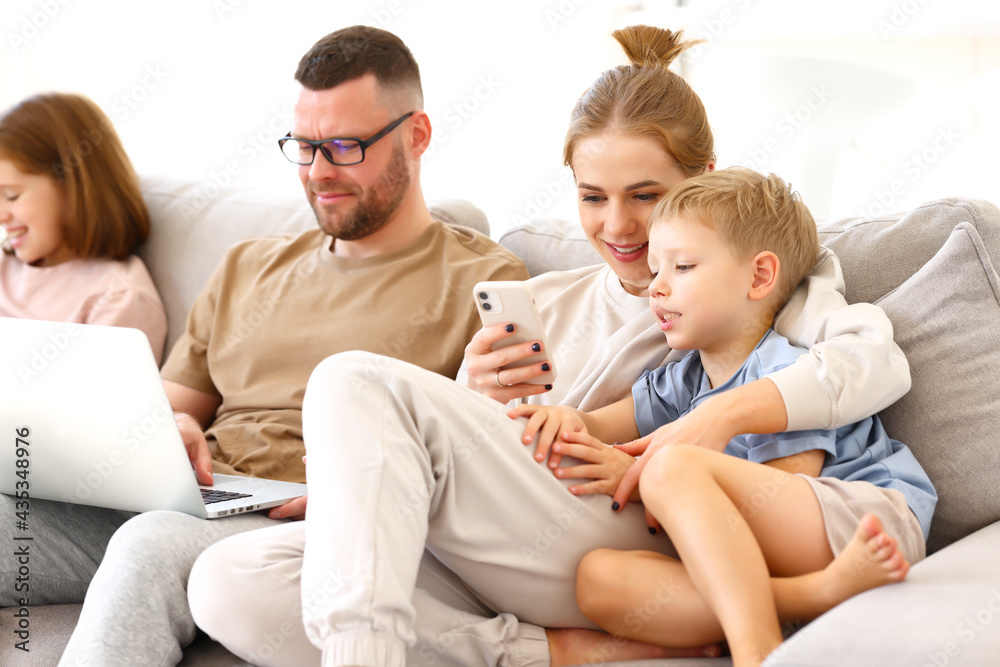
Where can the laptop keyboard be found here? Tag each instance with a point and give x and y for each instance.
(213, 496)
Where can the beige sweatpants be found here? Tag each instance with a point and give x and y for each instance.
(401, 459)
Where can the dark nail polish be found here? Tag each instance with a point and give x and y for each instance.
(509, 328)
(536, 347)
(546, 368)
(615, 506)
(652, 531)
(548, 387)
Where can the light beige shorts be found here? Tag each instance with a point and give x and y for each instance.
(844, 503)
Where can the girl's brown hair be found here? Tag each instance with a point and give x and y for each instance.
(646, 98)
(69, 138)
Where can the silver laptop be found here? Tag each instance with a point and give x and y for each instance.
(84, 419)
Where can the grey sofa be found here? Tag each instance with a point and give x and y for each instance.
(932, 271)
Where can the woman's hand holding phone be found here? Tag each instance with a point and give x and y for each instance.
(508, 358)
(484, 365)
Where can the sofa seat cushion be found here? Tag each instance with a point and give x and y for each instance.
(945, 614)
(946, 319)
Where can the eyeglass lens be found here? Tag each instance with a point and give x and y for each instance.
(338, 151)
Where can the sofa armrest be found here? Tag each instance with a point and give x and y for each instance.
(947, 612)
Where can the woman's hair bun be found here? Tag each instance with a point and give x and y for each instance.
(647, 46)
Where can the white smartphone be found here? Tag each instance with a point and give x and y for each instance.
(510, 301)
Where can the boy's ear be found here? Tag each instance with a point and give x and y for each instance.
(765, 266)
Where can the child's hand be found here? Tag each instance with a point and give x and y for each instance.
(548, 422)
(605, 465)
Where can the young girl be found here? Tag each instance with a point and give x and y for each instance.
(72, 214)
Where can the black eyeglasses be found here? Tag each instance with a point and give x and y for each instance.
(341, 151)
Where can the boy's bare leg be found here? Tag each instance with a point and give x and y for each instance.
(580, 646)
(872, 558)
(730, 545)
(649, 597)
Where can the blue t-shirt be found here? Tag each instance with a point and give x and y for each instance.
(857, 452)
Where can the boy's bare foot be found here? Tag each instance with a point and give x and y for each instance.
(871, 559)
(579, 646)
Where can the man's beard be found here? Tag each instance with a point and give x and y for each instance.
(374, 209)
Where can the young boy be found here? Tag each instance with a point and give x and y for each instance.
(756, 543)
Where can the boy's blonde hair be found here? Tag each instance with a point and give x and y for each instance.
(753, 213)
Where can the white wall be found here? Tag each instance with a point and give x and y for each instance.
(203, 88)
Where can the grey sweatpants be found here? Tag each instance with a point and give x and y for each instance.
(136, 611)
(129, 570)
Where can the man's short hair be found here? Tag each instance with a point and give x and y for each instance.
(351, 53)
(753, 213)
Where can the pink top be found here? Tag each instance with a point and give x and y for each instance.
(85, 291)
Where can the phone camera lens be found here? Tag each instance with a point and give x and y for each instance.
(483, 296)
(487, 306)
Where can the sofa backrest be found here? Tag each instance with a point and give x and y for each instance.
(195, 222)
(878, 255)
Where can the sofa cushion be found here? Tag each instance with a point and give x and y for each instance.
(195, 222)
(945, 614)
(946, 319)
(550, 245)
(879, 254)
